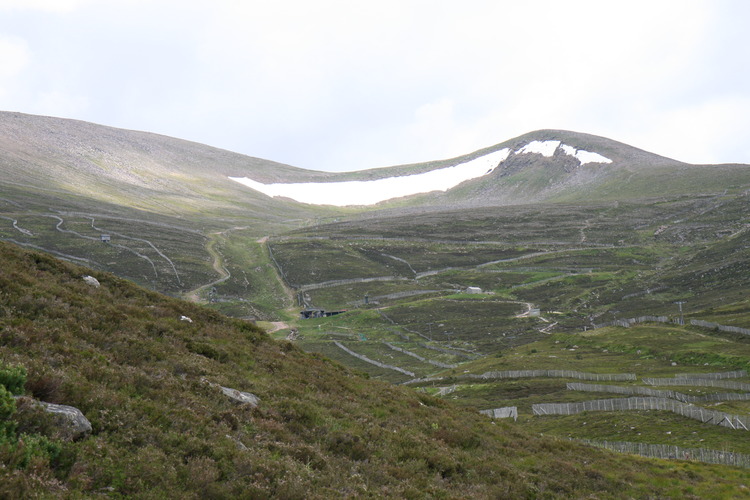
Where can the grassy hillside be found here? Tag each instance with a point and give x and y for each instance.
(181, 227)
(143, 377)
(549, 274)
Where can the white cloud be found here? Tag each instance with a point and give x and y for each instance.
(14, 55)
(42, 5)
(342, 85)
(710, 131)
(57, 103)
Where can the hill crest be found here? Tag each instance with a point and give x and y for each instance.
(151, 171)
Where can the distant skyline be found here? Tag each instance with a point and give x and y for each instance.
(348, 85)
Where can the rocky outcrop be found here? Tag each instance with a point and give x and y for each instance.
(91, 281)
(238, 397)
(241, 397)
(70, 423)
(73, 423)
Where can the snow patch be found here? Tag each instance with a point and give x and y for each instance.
(544, 148)
(371, 192)
(568, 150)
(588, 157)
(548, 148)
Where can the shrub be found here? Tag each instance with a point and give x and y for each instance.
(13, 378)
(7, 409)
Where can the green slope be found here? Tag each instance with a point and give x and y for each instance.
(122, 355)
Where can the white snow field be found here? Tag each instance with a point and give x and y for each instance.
(544, 148)
(371, 192)
(548, 148)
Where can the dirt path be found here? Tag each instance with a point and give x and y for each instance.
(277, 325)
(218, 265)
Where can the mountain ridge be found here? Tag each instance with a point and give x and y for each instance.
(149, 171)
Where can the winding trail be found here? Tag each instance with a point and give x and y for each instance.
(400, 260)
(61, 221)
(584, 227)
(218, 265)
(59, 255)
(26, 232)
(161, 254)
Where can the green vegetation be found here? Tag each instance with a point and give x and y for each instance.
(21, 448)
(556, 249)
(123, 356)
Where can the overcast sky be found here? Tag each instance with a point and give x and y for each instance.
(347, 85)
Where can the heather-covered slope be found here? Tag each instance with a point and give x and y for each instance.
(173, 212)
(143, 376)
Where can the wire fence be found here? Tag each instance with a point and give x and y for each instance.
(420, 358)
(646, 403)
(720, 396)
(598, 377)
(719, 375)
(444, 391)
(666, 319)
(627, 323)
(722, 328)
(646, 391)
(698, 382)
(627, 390)
(332, 283)
(665, 451)
(506, 412)
(398, 295)
(372, 361)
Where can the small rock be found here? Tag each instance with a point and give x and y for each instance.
(239, 443)
(241, 397)
(91, 281)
